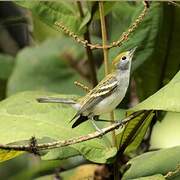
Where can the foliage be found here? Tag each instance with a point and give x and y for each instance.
(153, 163)
(50, 67)
(47, 68)
(50, 12)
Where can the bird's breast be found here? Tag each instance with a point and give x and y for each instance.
(109, 103)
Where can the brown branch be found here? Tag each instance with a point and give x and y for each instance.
(7, 43)
(124, 36)
(91, 62)
(171, 174)
(63, 143)
(79, 66)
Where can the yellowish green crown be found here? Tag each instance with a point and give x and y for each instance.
(118, 58)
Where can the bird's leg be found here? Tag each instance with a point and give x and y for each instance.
(94, 118)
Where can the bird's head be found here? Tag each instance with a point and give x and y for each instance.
(123, 60)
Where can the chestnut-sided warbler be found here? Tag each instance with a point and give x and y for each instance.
(106, 96)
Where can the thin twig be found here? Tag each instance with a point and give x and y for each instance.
(72, 141)
(174, 3)
(124, 36)
(84, 87)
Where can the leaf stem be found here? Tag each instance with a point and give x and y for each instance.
(105, 52)
(104, 37)
(107, 71)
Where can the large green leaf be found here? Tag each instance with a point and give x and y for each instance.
(132, 135)
(167, 98)
(46, 67)
(22, 117)
(50, 12)
(163, 63)
(58, 153)
(158, 162)
(166, 133)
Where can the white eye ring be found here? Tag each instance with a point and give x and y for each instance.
(123, 58)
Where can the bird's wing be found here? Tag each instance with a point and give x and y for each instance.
(101, 91)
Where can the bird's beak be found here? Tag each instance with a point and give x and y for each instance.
(131, 52)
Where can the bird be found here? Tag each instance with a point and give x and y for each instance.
(104, 97)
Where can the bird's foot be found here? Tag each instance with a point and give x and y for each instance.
(98, 129)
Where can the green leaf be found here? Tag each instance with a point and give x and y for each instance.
(6, 66)
(41, 31)
(166, 133)
(121, 18)
(36, 170)
(14, 166)
(8, 154)
(138, 137)
(145, 34)
(58, 153)
(86, 18)
(167, 98)
(144, 37)
(133, 133)
(154, 177)
(43, 168)
(46, 67)
(50, 12)
(22, 117)
(163, 63)
(157, 162)
(85, 171)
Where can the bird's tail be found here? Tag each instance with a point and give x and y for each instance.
(71, 102)
(55, 100)
(80, 120)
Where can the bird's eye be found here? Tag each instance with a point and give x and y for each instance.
(124, 58)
